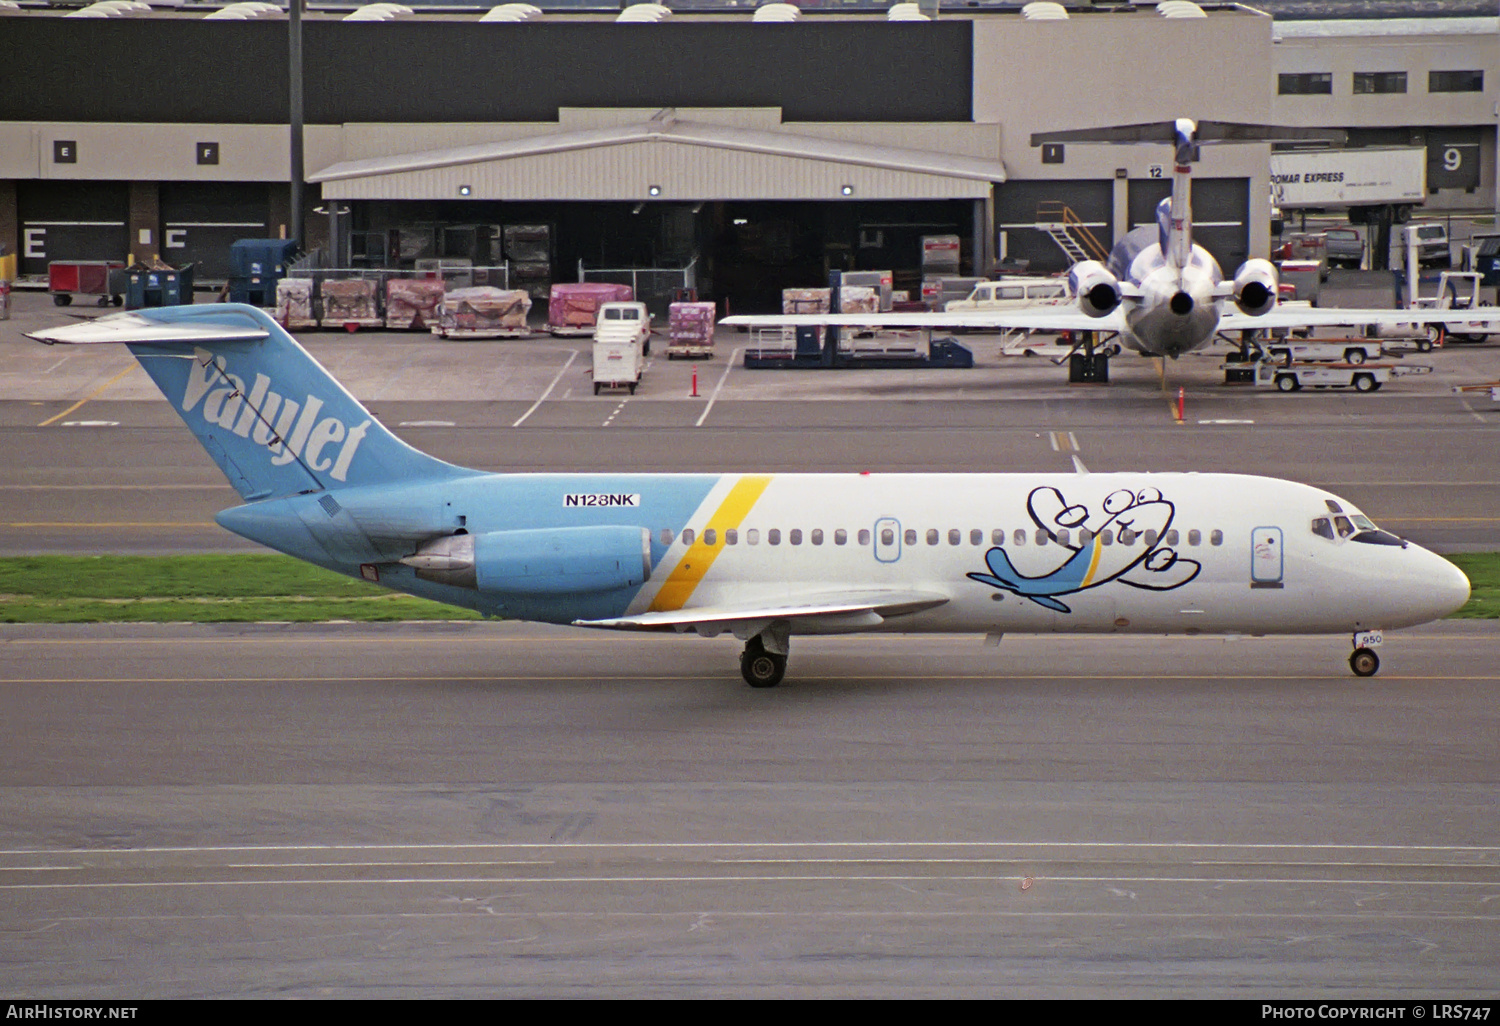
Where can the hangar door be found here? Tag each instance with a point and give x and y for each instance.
(71, 220)
(1021, 208)
(1220, 212)
(201, 220)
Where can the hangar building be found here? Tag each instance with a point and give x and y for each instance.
(759, 155)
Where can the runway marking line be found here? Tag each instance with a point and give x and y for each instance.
(92, 395)
(1152, 846)
(543, 398)
(728, 366)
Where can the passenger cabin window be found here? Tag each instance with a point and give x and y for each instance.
(1106, 537)
(1042, 536)
(1061, 536)
(1216, 538)
(816, 536)
(1170, 537)
(1019, 537)
(976, 537)
(887, 537)
(731, 536)
(710, 537)
(1195, 537)
(955, 536)
(863, 539)
(910, 537)
(932, 536)
(997, 536)
(839, 537)
(752, 536)
(666, 536)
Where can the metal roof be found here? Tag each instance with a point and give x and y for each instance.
(664, 142)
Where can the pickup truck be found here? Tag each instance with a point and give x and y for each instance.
(1345, 247)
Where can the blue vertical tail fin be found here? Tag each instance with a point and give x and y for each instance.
(269, 415)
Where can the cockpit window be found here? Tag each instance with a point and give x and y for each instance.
(1378, 537)
(1323, 528)
(1345, 528)
(1333, 507)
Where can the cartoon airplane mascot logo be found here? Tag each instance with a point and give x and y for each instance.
(1122, 542)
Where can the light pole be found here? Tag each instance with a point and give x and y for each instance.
(294, 60)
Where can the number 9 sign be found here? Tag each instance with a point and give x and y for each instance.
(1453, 158)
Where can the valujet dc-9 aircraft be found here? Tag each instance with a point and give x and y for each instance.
(1160, 294)
(767, 556)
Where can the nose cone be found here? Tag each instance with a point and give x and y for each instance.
(1439, 588)
(1452, 587)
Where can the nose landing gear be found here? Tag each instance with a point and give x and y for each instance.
(1363, 660)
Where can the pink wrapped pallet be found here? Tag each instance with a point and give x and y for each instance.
(690, 329)
(349, 304)
(483, 312)
(294, 304)
(412, 303)
(573, 306)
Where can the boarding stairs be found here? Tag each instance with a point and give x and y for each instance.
(1069, 232)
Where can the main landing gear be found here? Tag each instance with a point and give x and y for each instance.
(761, 667)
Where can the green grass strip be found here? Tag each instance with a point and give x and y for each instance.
(200, 589)
(254, 587)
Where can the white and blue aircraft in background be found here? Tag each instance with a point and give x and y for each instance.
(1159, 293)
(766, 556)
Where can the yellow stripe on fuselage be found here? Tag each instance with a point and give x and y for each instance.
(1088, 578)
(695, 563)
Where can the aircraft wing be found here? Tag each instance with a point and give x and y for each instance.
(853, 610)
(1317, 317)
(1037, 318)
(134, 327)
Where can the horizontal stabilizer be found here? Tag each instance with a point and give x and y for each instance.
(139, 329)
(849, 605)
(1207, 132)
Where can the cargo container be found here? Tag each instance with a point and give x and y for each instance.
(572, 307)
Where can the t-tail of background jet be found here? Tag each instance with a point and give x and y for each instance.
(276, 423)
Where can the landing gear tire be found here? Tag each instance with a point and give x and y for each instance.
(1364, 662)
(761, 669)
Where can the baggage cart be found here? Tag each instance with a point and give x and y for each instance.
(573, 307)
(69, 278)
(690, 330)
(483, 312)
(411, 304)
(350, 303)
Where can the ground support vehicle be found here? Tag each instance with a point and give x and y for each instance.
(483, 311)
(621, 343)
(808, 348)
(1492, 387)
(1327, 350)
(690, 330)
(69, 278)
(1458, 290)
(1362, 377)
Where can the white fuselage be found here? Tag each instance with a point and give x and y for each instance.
(1177, 310)
(1198, 553)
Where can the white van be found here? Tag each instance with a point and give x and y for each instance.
(1012, 294)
